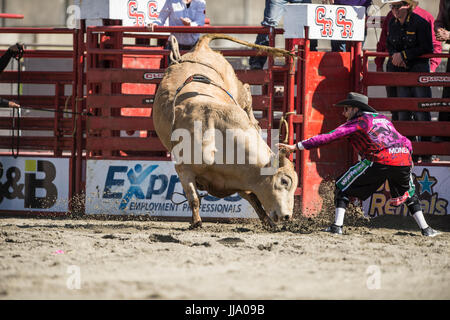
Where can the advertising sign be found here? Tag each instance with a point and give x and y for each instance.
(131, 12)
(431, 186)
(150, 188)
(34, 184)
(332, 22)
(135, 12)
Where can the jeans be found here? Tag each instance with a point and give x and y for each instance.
(273, 13)
(338, 46)
(416, 92)
(341, 45)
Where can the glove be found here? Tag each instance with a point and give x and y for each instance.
(16, 49)
(300, 146)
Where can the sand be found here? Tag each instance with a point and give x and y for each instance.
(85, 258)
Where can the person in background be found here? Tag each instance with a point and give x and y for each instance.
(340, 45)
(182, 13)
(385, 155)
(381, 47)
(409, 37)
(273, 12)
(442, 27)
(12, 52)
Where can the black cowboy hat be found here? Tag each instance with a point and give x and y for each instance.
(357, 100)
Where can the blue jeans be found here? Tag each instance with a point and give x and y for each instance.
(341, 45)
(273, 13)
(338, 46)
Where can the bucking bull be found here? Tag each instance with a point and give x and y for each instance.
(199, 104)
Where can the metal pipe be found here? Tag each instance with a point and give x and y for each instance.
(36, 30)
(11, 16)
(176, 29)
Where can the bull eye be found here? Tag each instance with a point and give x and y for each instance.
(284, 182)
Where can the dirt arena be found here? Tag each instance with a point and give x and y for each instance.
(386, 258)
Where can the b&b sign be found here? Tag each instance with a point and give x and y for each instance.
(332, 22)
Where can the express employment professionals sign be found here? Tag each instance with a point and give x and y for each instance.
(34, 184)
(332, 22)
(151, 188)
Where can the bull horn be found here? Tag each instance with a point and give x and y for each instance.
(283, 157)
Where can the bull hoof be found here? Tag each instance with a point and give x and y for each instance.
(270, 225)
(196, 225)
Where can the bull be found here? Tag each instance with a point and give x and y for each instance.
(199, 103)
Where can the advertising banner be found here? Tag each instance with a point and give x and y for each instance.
(332, 22)
(131, 12)
(432, 187)
(135, 12)
(150, 188)
(34, 184)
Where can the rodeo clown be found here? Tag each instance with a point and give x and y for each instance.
(385, 155)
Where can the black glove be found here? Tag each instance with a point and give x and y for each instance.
(16, 50)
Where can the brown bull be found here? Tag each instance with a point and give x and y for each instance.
(199, 104)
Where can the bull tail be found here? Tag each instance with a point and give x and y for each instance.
(277, 52)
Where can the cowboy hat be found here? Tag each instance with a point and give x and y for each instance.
(357, 100)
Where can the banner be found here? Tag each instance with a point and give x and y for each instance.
(135, 12)
(151, 188)
(432, 187)
(34, 184)
(131, 12)
(332, 22)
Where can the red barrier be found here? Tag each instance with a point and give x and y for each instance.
(106, 87)
(412, 79)
(55, 133)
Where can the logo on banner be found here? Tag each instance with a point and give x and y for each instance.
(429, 199)
(133, 13)
(39, 176)
(145, 184)
(433, 104)
(324, 22)
(345, 25)
(428, 79)
(153, 75)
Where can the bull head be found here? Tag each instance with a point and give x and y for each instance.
(277, 191)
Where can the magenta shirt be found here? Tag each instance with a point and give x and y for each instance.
(374, 138)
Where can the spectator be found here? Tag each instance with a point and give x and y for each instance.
(340, 45)
(12, 51)
(442, 27)
(385, 153)
(381, 47)
(409, 37)
(273, 13)
(183, 13)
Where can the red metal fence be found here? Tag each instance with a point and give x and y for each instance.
(392, 104)
(55, 132)
(107, 76)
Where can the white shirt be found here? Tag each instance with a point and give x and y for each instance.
(177, 9)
